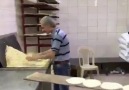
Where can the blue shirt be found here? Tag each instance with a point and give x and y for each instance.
(60, 44)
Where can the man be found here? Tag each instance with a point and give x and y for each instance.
(59, 50)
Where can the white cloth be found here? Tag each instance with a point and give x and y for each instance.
(124, 46)
(125, 36)
(124, 39)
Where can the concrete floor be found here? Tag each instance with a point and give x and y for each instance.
(13, 80)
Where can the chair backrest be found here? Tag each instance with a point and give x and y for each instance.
(85, 54)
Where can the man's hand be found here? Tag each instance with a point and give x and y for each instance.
(49, 54)
(33, 57)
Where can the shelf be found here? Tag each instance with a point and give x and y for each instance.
(49, 1)
(45, 38)
(40, 45)
(39, 15)
(37, 35)
(44, 45)
(40, 5)
(34, 25)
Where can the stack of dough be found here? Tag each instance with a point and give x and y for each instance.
(16, 58)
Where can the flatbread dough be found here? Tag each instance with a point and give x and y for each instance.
(126, 87)
(111, 85)
(75, 80)
(91, 83)
(16, 58)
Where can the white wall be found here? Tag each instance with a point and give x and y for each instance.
(93, 23)
(7, 17)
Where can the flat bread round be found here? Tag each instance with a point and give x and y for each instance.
(91, 83)
(126, 87)
(111, 86)
(75, 80)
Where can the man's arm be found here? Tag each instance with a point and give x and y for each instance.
(45, 52)
(49, 54)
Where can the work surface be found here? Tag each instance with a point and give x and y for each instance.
(41, 77)
(13, 80)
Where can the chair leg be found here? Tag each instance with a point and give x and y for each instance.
(82, 73)
(97, 71)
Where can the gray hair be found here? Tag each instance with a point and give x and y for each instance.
(46, 20)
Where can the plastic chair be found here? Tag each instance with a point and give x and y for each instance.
(84, 60)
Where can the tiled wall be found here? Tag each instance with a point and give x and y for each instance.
(7, 17)
(93, 23)
(10, 19)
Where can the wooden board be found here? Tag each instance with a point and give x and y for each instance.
(41, 77)
(57, 79)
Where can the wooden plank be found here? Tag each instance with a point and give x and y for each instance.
(22, 68)
(57, 79)
(37, 34)
(39, 15)
(40, 5)
(41, 77)
(49, 1)
(34, 25)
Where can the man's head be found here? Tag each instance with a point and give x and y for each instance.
(47, 24)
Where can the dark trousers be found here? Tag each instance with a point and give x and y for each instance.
(61, 69)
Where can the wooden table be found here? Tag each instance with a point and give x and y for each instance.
(57, 79)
